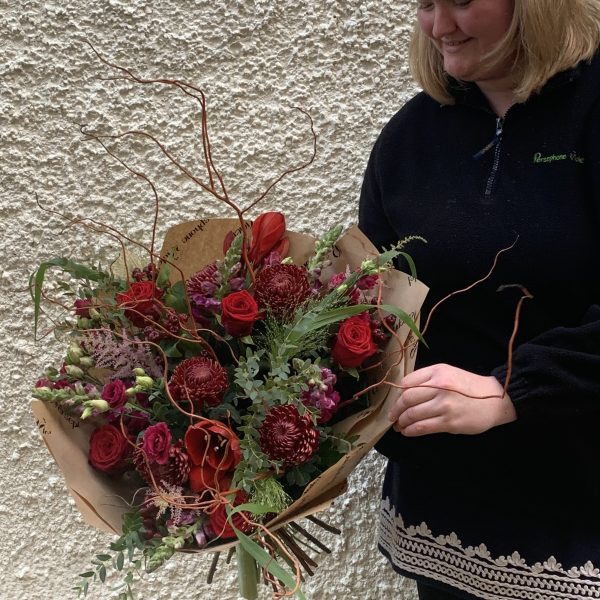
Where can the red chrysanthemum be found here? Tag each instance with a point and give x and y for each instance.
(174, 472)
(287, 436)
(281, 289)
(199, 379)
(197, 283)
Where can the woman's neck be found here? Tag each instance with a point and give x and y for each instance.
(499, 93)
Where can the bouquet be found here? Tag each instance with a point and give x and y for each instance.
(220, 389)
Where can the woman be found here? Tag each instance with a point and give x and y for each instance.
(491, 494)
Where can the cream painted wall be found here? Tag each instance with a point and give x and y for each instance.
(343, 61)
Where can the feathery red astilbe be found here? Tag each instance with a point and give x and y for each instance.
(120, 355)
(287, 436)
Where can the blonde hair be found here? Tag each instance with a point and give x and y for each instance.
(544, 38)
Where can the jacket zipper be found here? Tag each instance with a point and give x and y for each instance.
(496, 144)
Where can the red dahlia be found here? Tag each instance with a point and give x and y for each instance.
(281, 289)
(199, 379)
(287, 436)
(174, 472)
(203, 280)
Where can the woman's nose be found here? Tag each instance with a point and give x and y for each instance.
(443, 20)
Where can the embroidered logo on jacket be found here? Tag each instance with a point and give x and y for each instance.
(538, 157)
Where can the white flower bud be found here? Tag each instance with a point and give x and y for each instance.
(74, 372)
(144, 382)
(74, 354)
(94, 313)
(86, 362)
(98, 404)
(43, 393)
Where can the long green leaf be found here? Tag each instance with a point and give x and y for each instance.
(334, 315)
(36, 280)
(265, 560)
(252, 507)
(411, 264)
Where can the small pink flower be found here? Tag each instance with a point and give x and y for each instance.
(336, 280)
(157, 443)
(368, 282)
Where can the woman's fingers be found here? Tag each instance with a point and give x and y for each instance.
(442, 398)
(412, 395)
(426, 427)
(419, 412)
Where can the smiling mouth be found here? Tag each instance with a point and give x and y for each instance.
(455, 44)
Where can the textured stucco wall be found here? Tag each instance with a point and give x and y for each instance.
(342, 60)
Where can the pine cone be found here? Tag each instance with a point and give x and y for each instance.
(287, 436)
(174, 472)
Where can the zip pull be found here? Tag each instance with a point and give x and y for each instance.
(497, 139)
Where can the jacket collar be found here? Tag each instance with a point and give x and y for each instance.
(469, 94)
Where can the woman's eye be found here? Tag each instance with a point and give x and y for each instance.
(462, 2)
(424, 5)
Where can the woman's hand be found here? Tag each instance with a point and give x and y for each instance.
(442, 398)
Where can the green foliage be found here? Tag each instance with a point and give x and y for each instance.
(269, 492)
(176, 299)
(265, 560)
(131, 553)
(78, 271)
(158, 554)
(228, 264)
(323, 247)
(129, 547)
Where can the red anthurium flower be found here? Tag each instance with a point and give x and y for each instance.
(268, 232)
(214, 451)
(214, 443)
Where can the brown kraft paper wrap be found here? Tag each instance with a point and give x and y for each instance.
(101, 499)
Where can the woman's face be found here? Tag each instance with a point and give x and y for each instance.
(464, 31)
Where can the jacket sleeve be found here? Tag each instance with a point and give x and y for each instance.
(557, 374)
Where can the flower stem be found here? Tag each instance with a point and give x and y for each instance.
(247, 577)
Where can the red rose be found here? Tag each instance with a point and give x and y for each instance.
(109, 449)
(115, 393)
(354, 343)
(220, 527)
(157, 443)
(214, 451)
(239, 313)
(268, 232)
(140, 300)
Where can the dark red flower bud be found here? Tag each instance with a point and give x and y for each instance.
(268, 232)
